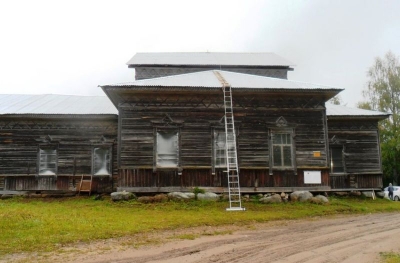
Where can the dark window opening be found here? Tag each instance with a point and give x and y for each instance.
(337, 165)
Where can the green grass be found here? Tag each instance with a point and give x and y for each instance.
(42, 225)
(390, 257)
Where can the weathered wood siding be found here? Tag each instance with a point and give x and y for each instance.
(156, 72)
(74, 139)
(360, 141)
(352, 181)
(251, 180)
(195, 115)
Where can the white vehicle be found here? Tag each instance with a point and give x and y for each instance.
(396, 193)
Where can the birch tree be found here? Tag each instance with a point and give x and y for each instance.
(383, 94)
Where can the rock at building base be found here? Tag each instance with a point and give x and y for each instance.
(207, 196)
(176, 196)
(122, 196)
(319, 199)
(276, 198)
(300, 196)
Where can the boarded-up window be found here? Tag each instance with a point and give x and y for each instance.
(167, 154)
(219, 149)
(47, 161)
(337, 165)
(101, 161)
(282, 150)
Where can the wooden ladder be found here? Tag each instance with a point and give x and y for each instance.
(86, 184)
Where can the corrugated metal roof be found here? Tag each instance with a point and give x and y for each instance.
(208, 79)
(76, 105)
(208, 59)
(55, 104)
(344, 111)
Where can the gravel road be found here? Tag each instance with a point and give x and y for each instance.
(341, 239)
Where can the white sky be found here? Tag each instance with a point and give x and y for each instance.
(71, 47)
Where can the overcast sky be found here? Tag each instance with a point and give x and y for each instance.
(71, 47)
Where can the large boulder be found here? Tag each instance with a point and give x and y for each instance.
(207, 196)
(153, 199)
(180, 196)
(355, 193)
(122, 196)
(276, 198)
(145, 199)
(319, 199)
(191, 195)
(160, 198)
(300, 196)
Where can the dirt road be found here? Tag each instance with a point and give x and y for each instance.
(342, 239)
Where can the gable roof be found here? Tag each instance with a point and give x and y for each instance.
(55, 104)
(207, 59)
(339, 111)
(209, 79)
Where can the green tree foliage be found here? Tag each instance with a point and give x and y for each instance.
(337, 100)
(383, 94)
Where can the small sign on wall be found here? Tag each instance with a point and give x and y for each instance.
(312, 177)
(317, 154)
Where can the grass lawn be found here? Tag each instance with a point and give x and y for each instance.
(45, 224)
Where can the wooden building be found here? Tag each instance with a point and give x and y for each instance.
(167, 133)
(47, 142)
(354, 147)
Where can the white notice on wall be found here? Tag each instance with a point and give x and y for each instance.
(312, 177)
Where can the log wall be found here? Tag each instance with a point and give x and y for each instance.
(196, 115)
(359, 139)
(74, 139)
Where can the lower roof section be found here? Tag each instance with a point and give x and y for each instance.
(55, 105)
(74, 105)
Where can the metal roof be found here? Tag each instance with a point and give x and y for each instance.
(55, 104)
(101, 105)
(208, 59)
(344, 111)
(208, 79)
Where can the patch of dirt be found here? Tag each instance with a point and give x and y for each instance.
(340, 239)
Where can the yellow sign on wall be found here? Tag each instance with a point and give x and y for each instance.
(317, 154)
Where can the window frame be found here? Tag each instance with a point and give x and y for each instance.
(331, 159)
(215, 155)
(177, 153)
(291, 133)
(282, 150)
(109, 161)
(39, 160)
